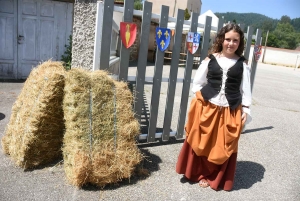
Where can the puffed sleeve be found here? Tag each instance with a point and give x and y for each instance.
(246, 92)
(200, 79)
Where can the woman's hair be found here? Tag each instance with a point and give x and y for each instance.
(217, 46)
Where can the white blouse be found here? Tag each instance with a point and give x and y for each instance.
(200, 81)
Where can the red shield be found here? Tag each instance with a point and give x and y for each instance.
(128, 33)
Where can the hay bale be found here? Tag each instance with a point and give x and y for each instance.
(99, 142)
(34, 133)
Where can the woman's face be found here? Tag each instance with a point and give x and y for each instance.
(231, 42)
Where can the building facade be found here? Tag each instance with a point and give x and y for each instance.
(191, 5)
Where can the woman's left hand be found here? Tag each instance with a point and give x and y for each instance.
(244, 118)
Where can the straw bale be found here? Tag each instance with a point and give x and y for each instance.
(99, 142)
(34, 133)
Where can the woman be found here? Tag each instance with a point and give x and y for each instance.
(217, 113)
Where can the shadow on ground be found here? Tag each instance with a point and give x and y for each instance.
(150, 164)
(247, 174)
(257, 129)
(2, 116)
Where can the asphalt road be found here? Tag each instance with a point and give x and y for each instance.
(268, 159)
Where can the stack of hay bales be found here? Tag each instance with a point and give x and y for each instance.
(34, 133)
(99, 141)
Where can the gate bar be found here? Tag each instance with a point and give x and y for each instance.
(159, 62)
(142, 60)
(254, 62)
(186, 84)
(125, 52)
(173, 75)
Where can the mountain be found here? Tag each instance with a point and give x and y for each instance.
(256, 20)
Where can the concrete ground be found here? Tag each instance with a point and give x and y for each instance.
(268, 159)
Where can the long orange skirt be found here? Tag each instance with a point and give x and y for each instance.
(210, 148)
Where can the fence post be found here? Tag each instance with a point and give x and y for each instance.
(220, 24)
(125, 52)
(186, 83)
(106, 35)
(206, 37)
(173, 75)
(159, 62)
(254, 62)
(249, 42)
(142, 60)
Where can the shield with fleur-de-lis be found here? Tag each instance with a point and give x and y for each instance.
(128, 33)
(163, 37)
(193, 42)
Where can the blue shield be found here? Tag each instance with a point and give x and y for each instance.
(163, 37)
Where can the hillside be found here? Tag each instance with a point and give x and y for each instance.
(256, 20)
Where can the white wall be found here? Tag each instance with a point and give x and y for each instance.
(278, 56)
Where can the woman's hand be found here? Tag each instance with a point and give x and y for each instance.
(244, 118)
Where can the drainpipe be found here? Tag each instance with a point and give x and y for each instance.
(174, 7)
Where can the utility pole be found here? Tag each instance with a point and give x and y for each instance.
(174, 7)
(263, 59)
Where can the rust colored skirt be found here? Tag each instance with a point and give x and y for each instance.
(210, 148)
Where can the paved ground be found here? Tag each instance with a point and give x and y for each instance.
(268, 159)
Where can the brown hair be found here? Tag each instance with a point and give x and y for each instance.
(217, 46)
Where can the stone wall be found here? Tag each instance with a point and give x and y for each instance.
(84, 33)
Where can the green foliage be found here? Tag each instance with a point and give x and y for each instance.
(283, 33)
(186, 14)
(285, 19)
(286, 35)
(138, 5)
(272, 40)
(234, 21)
(267, 25)
(296, 24)
(67, 56)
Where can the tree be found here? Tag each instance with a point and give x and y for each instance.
(186, 14)
(272, 40)
(285, 19)
(296, 23)
(286, 35)
(267, 25)
(234, 21)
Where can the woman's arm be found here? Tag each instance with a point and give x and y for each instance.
(246, 93)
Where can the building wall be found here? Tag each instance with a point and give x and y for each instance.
(191, 5)
(84, 33)
(278, 56)
(194, 6)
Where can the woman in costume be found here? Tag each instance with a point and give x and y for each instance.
(218, 112)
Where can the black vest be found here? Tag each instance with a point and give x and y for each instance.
(232, 85)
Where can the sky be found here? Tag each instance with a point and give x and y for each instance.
(270, 8)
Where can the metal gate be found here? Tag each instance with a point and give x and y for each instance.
(105, 40)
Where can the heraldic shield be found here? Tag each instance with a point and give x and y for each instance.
(193, 42)
(257, 52)
(128, 33)
(163, 37)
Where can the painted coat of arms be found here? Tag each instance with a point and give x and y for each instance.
(163, 37)
(128, 33)
(193, 42)
(257, 52)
